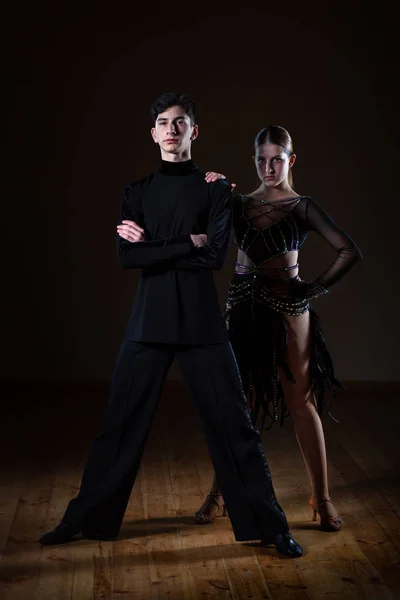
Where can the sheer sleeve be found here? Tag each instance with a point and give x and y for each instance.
(146, 253)
(317, 219)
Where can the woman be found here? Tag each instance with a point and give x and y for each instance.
(276, 337)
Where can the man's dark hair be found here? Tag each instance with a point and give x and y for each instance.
(165, 101)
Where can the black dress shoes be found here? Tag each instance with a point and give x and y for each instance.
(62, 534)
(285, 544)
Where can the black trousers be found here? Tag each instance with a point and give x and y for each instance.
(235, 446)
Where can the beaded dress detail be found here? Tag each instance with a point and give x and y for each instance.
(276, 336)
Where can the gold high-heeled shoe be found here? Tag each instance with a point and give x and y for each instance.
(328, 522)
(210, 508)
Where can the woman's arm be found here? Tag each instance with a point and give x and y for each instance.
(348, 254)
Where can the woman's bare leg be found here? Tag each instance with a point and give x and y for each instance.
(302, 407)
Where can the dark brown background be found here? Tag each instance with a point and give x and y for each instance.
(79, 82)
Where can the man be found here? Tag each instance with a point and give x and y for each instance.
(176, 227)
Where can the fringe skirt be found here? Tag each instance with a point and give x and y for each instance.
(278, 343)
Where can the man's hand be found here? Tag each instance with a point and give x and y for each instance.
(199, 240)
(212, 176)
(130, 231)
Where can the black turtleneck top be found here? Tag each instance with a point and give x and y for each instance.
(176, 301)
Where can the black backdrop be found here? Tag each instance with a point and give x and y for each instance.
(79, 81)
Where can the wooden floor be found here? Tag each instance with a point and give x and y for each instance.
(46, 435)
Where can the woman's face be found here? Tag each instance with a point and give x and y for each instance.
(273, 164)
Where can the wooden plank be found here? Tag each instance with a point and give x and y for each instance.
(21, 565)
(161, 553)
(360, 517)
(284, 578)
(206, 571)
(381, 469)
(167, 556)
(250, 567)
(242, 567)
(57, 562)
(362, 580)
(131, 577)
(290, 480)
(11, 490)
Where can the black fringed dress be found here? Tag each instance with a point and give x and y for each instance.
(276, 336)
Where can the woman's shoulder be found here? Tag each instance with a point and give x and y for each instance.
(301, 207)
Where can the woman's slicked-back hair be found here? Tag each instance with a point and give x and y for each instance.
(275, 134)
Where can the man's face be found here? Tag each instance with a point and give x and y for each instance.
(174, 132)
